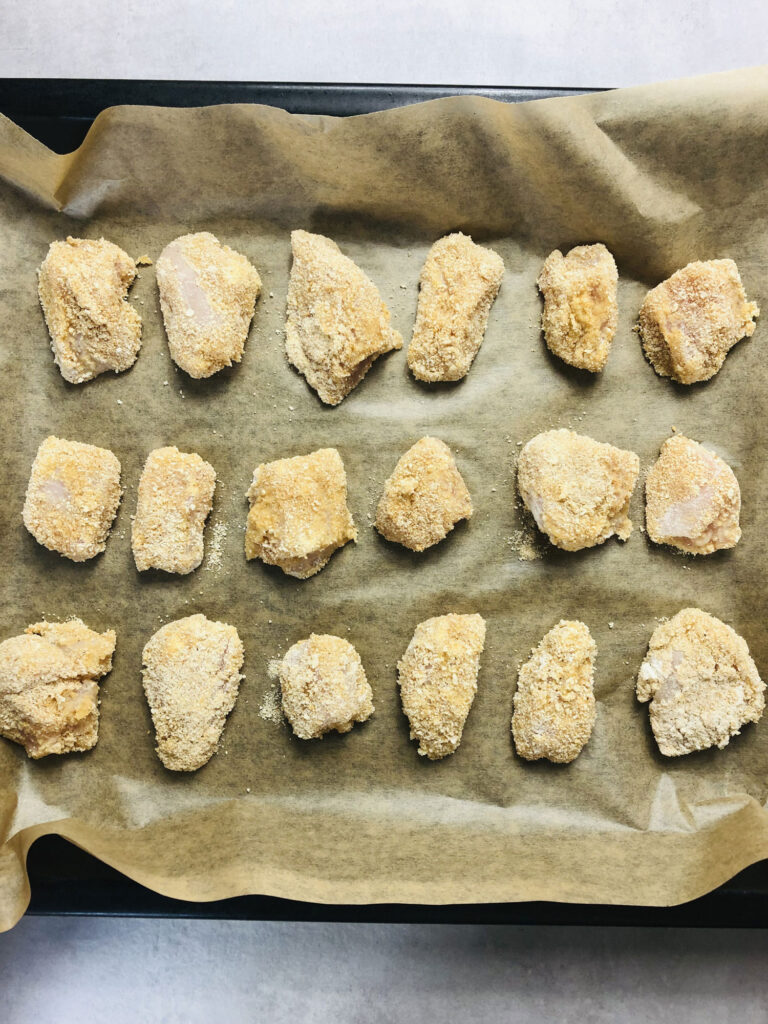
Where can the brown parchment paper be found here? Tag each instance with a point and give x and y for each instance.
(662, 175)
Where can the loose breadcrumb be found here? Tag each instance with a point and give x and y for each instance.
(554, 704)
(49, 690)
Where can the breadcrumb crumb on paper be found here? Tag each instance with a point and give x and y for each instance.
(554, 704)
(437, 676)
(424, 497)
(83, 287)
(580, 307)
(337, 324)
(692, 499)
(458, 285)
(689, 323)
(72, 497)
(324, 687)
(49, 686)
(701, 682)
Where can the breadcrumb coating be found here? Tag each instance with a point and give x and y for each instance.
(299, 514)
(72, 497)
(191, 680)
(580, 308)
(324, 687)
(692, 499)
(83, 287)
(208, 296)
(701, 682)
(458, 285)
(337, 323)
(577, 489)
(690, 322)
(49, 691)
(175, 498)
(438, 680)
(554, 705)
(424, 498)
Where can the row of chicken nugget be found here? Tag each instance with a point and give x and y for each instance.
(698, 676)
(577, 489)
(337, 323)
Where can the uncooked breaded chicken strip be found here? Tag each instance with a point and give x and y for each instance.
(438, 680)
(83, 286)
(690, 322)
(577, 489)
(208, 296)
(701, 682)
(337, 323)
(175, 498)
(49, 686)
(299, 514)
(72, 497)
(424, 498)
(692, 499)
(458, 284)
(580, 308)
(191, 680)
(324, 687)
(554, 702)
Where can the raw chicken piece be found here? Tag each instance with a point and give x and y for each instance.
(72, 497)
(191, 680)
(208, 296)
(83, 286)
(702, 683)
(175, 498)
(424, 498)
(324, 687)
(554, 703)
(49, 690)
(299, 513)
(580, 309)
(692, 499)
(438, 680)
(690, 322)
(577, 489)
(337, 323)
(458, 284)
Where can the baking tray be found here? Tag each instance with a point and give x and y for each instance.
(65, 879)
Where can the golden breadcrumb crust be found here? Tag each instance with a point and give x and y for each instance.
(438, 680)
(337, 323)
(554, 704)
(324, 687)
(458, 285)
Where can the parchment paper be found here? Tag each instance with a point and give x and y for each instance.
(662, 175)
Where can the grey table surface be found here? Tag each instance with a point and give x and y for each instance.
(74, 969)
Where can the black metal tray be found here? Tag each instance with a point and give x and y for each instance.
(65, 879)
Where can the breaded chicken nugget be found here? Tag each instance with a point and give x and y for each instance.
(337, 323)
(690, 322)
(577, 489)
(424, 498)
(554, 705)
(458, 284)
(324, 687)
(191, 680)
(692, 499)
(72, 497)
(83, 286)
(49, 690)
(299, 514)
(580, 309)
(208, 296)
(438, 680)
(175, 498)
(701, 682)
